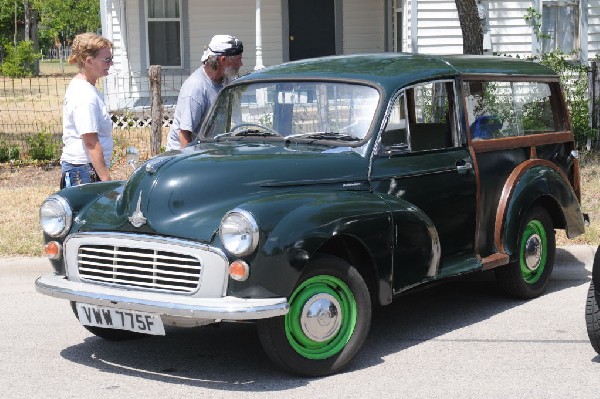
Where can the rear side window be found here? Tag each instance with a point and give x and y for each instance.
(511, 109)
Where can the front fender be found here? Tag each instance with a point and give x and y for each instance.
(294, 227)
(83, 195)
(80, 197)
(532, 181)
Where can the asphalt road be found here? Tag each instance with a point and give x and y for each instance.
(462, 339)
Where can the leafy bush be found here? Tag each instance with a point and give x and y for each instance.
(574, 79)
(19, 62)
(9, 153)
(43, 147)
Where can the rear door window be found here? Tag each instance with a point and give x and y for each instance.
(511, 109)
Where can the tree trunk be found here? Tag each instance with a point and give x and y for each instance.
(16, 27)
(594, 90)
(27, 17)
(35, 38)
(470, 24)
(155, 110)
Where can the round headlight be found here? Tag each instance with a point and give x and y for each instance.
(239, 232)
(55, 216)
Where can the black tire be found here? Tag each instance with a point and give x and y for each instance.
(109, 333)
(338, 294)
(592, 317)
(527, 277)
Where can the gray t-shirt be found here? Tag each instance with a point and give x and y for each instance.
(196, 96)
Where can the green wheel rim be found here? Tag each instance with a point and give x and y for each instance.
(534, 251)
(306, 334)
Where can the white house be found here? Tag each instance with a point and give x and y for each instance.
(174, 33)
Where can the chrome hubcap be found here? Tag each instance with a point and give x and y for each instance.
(321, 318)
(533, 252)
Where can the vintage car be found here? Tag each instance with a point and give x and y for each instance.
(319, 189)
(592, 308)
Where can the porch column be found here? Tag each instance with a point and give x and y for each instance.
(584, 34)
(414, 26)
(259, 60)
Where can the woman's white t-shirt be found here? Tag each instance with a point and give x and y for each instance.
(84, 111)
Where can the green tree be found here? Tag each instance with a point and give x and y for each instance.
(19, 62)
(61, 20)
(7, 22)
(58, 20)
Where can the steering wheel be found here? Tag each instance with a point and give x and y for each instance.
(257, 125)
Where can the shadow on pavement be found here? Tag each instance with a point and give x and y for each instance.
(229, 356)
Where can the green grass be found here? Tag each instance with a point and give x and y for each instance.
(54, 67)
(20, 230)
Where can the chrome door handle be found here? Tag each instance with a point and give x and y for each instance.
(463, 167)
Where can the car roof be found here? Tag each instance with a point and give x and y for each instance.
(398, 69)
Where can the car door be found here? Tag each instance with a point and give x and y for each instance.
(425, 174)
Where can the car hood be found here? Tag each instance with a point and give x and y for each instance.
(186, 194)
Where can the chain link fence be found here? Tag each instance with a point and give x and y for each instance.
(30, 106)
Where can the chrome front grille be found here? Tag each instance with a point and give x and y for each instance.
(147, 268)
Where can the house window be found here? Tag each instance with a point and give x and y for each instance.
(560, 26)
(397, 21)
(164, 32)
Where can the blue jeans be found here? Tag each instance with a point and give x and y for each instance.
(76, 174)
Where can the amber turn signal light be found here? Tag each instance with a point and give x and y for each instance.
(52, 250)
(239, 270)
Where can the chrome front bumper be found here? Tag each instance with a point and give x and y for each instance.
(224, 308)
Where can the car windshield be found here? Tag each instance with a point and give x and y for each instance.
(294, 111)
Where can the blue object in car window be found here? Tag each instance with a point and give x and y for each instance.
(485, 127)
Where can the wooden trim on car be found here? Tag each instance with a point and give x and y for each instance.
(495, 260)
(507, 192)
(576, 180)
(478, 210)
(494, 77)
(521, 141)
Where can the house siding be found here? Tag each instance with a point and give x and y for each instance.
(510, 33)
(438, 27)
(439, 30)
(593, 28)
(117, 85)
(206, 19)
(133, 29)
(363, 26)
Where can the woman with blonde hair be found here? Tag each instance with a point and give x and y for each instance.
(87, 126)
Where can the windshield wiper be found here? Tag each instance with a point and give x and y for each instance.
(325, 136)
(247, 132)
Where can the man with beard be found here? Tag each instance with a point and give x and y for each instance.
(221, 63)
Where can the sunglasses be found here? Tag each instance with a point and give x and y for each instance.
(108, 60)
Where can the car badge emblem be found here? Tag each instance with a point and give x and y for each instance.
(137, 218)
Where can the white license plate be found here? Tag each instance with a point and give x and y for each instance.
(120, 319)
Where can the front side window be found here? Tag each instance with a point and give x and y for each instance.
(421, 119)
(294, 110)
(511, 109)
(394, 137)
(164, 32)
(560, 26)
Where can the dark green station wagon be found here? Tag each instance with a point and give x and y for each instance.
(319, 189)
